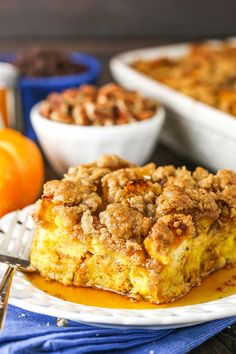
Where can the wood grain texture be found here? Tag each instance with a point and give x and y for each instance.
(113, 18)
(223, 343)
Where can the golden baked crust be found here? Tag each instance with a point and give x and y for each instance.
(147, 232)
(207, 73)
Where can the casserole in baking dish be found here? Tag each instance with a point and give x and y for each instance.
(193, 128)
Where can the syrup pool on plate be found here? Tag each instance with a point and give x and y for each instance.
(221, 283)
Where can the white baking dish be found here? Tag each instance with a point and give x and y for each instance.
(193, 129)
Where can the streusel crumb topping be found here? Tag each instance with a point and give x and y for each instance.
(125, 205)
(206, 73)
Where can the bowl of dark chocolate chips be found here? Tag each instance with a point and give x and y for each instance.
(44, 70)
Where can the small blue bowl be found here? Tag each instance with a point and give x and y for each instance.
(33, 90)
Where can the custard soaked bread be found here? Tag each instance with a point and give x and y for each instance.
(147, 232)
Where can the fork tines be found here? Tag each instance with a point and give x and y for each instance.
(16, 242)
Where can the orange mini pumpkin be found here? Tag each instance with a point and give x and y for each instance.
(21, 171)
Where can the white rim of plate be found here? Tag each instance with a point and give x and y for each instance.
(28, 297)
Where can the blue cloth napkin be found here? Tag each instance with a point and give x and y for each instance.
(29, 333)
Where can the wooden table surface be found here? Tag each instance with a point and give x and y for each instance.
(225, 342)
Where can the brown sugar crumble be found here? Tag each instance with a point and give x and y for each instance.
(207, 73)
(147, 232)
(227, 284)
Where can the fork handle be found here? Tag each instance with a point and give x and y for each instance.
(5, 287)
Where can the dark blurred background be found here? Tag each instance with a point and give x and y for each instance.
(75, 19)
(106, 27)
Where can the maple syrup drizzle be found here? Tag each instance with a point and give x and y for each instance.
(220, 284)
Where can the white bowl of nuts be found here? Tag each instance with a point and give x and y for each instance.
(78, 125)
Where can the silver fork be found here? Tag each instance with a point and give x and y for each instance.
(14, 251)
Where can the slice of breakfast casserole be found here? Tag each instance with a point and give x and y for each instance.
(147, 232)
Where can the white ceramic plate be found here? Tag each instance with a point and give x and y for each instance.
(193, 129)
(28, 297)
